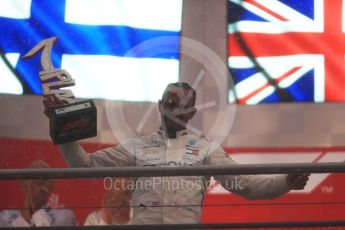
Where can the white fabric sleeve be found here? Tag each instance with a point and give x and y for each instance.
(3, 222)
(95, 218)
(20, 222)
(247, 186)
(90, 220)
(76, 156)
(12, 218)
(63, 217)
(41, 218)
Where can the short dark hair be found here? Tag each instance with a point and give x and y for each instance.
(183, 85)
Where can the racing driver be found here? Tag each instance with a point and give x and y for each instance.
(167, 200)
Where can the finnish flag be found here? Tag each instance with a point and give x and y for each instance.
(110, 47)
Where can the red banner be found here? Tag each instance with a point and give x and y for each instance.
(322, 199)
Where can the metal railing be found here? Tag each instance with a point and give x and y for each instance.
(299, 224)
(235, 169)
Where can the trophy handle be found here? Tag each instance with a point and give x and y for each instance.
(52, 79)
(46, 46)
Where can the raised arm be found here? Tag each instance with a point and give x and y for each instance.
(253, 186)
(76, 156)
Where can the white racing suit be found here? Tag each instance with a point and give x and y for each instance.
(168, 200)
(45, 216)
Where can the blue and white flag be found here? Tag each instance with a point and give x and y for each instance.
(101, 43)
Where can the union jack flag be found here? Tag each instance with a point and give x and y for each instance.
(98, 44)
(286, 50)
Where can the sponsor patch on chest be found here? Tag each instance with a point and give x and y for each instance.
(192, 150)
(151, 151)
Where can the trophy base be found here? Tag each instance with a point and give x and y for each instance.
(73, 122)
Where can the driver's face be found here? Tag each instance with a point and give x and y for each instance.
(176, 108)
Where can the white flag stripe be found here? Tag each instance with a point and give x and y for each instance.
(145, 14)
(287, 12)
(250, 84)
(19, 9)
(273, 67)
(319, 18)
(232, 97)
(292, 60)
(9, 82)
(272, 28)
(295, 76)
(119, 78)
(296, 22)
(240, 62)
(261, 13)
(319, 78)
(261, 95)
